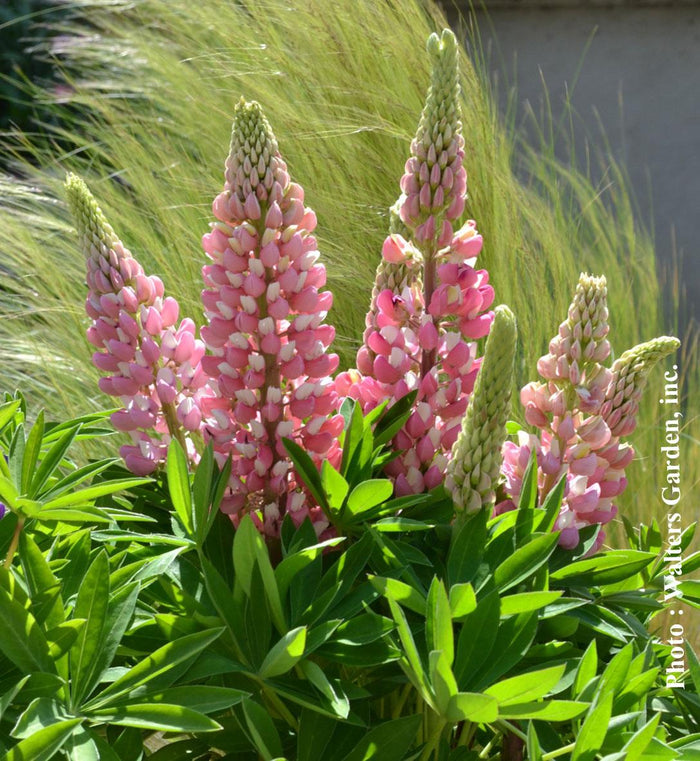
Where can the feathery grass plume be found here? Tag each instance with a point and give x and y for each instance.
(154, 363)
(265, 333)
(146, 106)
(473, 470)
(582, 410)
(428, 300)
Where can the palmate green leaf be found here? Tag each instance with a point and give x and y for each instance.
(401, 592)
(178, 476)
(160, 662)
(40, 713)
(476, 638)
(7, 413)
(472, 706)
(367, 495)
(545, 710)
(523, 602)
(527, 502)
(91, 493)
(332, 691)
(42, 745)
(44, 587)
(524, 561)
(81, 746)
(526, 687)
(295, 562)
(250, 550)
(285, 653)
(636, 690)
(22, 640)
(198, 697)
(442, 680)
(78, 514)
(62, 637)
(51, 460)
(394, 419)
(467, 548)
(606, 568)
(307, 471)
(438, 621)
(31, 452)
(157, 716)
(91, 605)
(639, 742)
(411, 662)
(462, 601)
(262, 730)
(386, 742)
(587, 669)
(334, 485)
(590, 737)
(615, 674)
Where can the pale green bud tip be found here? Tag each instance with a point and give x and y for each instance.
(251, 132)
(90, 222)
(641, 358)
(472, 473)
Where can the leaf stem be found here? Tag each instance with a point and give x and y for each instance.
(13, 544)
(559, 752)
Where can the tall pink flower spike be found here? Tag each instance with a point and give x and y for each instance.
(582, 410)
(429, 303)
(153, 363)
(266, 334)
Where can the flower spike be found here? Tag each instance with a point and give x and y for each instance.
(473, 471)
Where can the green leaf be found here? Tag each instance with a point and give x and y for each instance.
(438, 621)
(462, 601)
(394, 419)
(412, 662)
(399, 591)
(40, 713)
(546, 710)
(587, 669)
(526, 687)
(297, 561)
(307, 470)
(179, 484)
(8, 697)
(93, 492)
(534, 749)
(615, 673)
(44, 587)
(401, 525)
(467, 548)
(44, 744)
(367, 495)
(476, 638)
(552, 505)
(639, 742)
(315, 731)
(61, 637)
(334, 485)
(591, 736)
(606, 568)
(160, 662)
(524, 602)
(52, 459)
(7, 413)
(22, 640)
(285, 653)
(386, 742)
(333, 693)
(472, 706)
(527, 502)
(442, 680)
(31, 453)
(201, 491)
(157, 716)
(91, 605)
(525, 561)
(262, 730)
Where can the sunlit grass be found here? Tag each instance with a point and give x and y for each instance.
(152, 93)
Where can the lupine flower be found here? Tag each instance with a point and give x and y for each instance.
(266, 333)
(582, 410)
(151, 363)
(429, 304)
(473, 471)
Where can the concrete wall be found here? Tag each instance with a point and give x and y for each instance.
(638, 67)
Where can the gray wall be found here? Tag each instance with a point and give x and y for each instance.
(638, 67)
